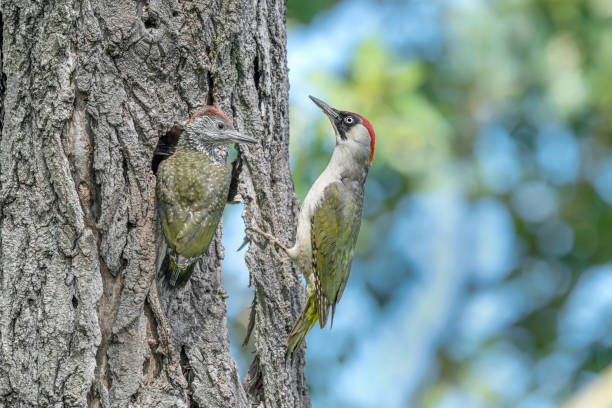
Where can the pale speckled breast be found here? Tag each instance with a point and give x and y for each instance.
(195, 180)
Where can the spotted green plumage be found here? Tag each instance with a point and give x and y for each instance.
(191, 194)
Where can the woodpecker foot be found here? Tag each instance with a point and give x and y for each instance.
(271, 238)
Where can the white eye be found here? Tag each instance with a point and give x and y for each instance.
(220, 125)
(349, 120)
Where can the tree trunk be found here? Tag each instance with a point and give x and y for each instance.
(87, 89)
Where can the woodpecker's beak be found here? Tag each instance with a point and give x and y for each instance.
(237, 137)
(329, 111)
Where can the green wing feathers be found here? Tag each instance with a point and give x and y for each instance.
(334, 230)
(189, 233)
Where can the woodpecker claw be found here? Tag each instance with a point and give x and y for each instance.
(269, 237)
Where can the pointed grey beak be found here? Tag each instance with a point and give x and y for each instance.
(329, 111)
(237, 137)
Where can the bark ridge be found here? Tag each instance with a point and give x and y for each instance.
(86, 90)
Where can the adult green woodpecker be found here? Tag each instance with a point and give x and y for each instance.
(329, 220)
(192, 188)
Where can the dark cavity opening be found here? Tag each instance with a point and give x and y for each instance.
(210, 100)
(166, 146)
(256, 72)
(151, 22)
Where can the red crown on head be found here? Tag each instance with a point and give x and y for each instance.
(209, 110)
(368, 126)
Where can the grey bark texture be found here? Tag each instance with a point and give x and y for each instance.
(87, 88)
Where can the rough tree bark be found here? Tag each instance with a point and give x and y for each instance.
(87, 88)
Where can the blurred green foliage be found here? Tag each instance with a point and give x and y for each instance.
(414, 138)
(299, 11)
(523, 66)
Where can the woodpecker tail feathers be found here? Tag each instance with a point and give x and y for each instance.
(307, 320)
(172, 274)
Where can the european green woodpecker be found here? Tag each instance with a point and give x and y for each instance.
(192, 188)
(329, 220)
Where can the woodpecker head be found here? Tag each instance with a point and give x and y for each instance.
(209, 127)
(351, 129)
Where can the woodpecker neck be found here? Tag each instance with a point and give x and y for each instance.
(189, 142)
(350, 163)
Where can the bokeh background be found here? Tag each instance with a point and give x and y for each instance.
(483, 272)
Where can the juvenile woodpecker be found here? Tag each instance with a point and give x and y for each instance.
(192, 188)
(329, 220)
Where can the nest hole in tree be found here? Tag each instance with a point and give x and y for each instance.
(166, 146)
(151, 20)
